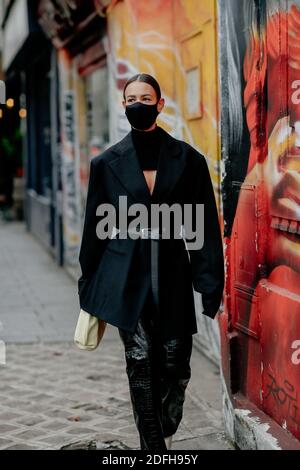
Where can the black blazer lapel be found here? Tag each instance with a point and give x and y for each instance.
(171, 162)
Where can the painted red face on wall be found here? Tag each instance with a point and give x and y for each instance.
(272, 102)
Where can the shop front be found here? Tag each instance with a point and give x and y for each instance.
(24, 50)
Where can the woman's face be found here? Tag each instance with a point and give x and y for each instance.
(143, 92)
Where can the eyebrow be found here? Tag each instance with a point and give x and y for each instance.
(134, 96)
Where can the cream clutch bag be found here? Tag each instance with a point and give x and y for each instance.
(89, 331)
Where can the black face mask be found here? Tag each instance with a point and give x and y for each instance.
(140, 115)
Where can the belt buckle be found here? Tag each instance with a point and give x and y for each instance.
(148, 232)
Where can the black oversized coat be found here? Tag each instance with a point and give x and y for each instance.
(116, 274)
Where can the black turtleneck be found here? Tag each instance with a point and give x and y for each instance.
(147, 146)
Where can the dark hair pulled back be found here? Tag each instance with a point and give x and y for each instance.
(146, 78)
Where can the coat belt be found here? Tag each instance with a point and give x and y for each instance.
(148, 232)
(153, 234)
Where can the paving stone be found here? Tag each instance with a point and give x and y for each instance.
(8, 415)
(55, 425)
(58, 412)
(80, 431)
(58, 439)
(22, 447)
(31, 420)
(30, 434)
(34, 408)
(16, 404)
(5, 443)
(5, 428)
(211, 442)
(80, 417)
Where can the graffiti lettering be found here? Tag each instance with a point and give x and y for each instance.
(284, 395)
(296, 95)
(296, 354)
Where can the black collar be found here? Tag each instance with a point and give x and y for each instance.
(171, 163)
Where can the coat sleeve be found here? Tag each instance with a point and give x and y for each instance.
(92, 247)
(207, 263)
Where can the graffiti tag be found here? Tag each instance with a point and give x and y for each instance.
(283, 395)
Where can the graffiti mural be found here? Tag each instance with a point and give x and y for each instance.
(72, 207)
(261, 135)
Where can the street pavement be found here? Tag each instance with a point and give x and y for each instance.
(55, 396)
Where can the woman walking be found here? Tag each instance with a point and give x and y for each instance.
(143, 285)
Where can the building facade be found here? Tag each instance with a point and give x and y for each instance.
(228, 70)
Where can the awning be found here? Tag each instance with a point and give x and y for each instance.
(91, 59)
(23, 39)
(70, 23)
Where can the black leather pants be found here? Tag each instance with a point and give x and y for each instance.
(158, 372)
